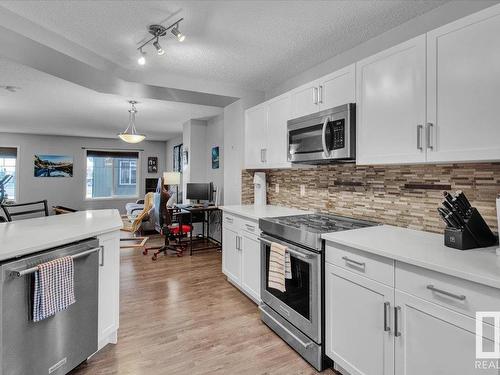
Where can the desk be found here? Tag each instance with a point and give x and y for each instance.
(205, 211)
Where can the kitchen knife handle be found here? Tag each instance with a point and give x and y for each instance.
(419, 137)
(429, 126)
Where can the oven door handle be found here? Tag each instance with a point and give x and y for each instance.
(304, 344)
(323, 137)
(294, 252)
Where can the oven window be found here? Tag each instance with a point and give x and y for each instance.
(298, 291)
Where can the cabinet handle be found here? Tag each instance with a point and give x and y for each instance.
(419, 137)
(397, 310)
(265, 155)
(460, 297)
(102, 256)
(250, 227)
(321, 94)
(428, 137)
(262, 155)
(359, 264)
(387, 326)
(315, 95)
(229, 219)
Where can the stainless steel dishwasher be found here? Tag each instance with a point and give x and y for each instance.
(59, 343)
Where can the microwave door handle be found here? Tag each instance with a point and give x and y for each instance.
(323, 137)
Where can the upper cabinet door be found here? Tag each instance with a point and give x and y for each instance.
(278, 115)
(338, 88)
(463, 89)
(255, 136)
(391, 105)
(305, 100)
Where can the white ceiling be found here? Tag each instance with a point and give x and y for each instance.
(253, 44)
(45, 104)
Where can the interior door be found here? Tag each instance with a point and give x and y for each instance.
(250, 264)
(231, 256)
(358, 323)
(463, 82)
(278, 115)
(338, 88)
(305, 100)
(434, 340)
(255, 136)
(391, 105)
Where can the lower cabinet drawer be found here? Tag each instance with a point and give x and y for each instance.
(230, 221)
(249, 226)
(456, 294)
(369, 265)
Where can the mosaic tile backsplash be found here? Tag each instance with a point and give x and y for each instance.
(402, 195)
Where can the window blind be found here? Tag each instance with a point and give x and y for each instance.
(8, 152)
(113, 154)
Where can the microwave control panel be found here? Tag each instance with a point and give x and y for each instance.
(338, 134)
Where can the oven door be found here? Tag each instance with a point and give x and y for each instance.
(300, 303)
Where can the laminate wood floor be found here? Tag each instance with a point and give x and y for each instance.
(179, 315)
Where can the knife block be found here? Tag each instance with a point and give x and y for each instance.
(475, 234)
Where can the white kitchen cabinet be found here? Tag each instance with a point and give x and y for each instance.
(337, 88)
(250, 264)
(358, 323)
(255, 136)
(434, 340)
(463, 79)
(278, 115)
(330, 91)
(231, 255)
(266, 134)
(391, 100)
(305, 99)
(109, 289)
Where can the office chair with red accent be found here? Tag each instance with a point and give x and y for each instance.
(174, 232)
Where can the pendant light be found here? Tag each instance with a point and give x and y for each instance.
(130, 134)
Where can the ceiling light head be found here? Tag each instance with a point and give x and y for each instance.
(180, 36)
(142, 57)
(130, 134)
(159, 50)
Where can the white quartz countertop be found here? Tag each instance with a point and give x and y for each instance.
(24, 237)
(258, 212)
(423, 249)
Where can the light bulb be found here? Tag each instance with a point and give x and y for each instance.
(141, 60)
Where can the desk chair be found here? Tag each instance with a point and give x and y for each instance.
(174, 233)
(12, 210)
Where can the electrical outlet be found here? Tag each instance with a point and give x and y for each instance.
(302, 190)
(277, 188)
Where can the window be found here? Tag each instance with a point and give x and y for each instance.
(8, 159)
(177, 167)
(111, 174)
(128, 171)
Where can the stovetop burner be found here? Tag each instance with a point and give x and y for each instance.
(306, 230)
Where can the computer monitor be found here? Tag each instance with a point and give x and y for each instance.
(199, 191)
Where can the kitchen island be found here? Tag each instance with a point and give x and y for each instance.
(25, 237)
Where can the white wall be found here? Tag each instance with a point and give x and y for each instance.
(215, 137)
(70, 191)
(234, 121)
(433, 19)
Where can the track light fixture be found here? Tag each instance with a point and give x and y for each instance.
(159, 50)
(159, 31)
(180, 36)
(142, 57)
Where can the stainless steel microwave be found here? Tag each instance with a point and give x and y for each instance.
(323, 137)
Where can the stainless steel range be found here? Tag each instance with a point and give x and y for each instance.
(296, 315)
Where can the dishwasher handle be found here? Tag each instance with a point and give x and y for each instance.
(34, 269)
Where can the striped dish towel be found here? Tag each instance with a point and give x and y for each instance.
(279, 267)
(54, 288)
